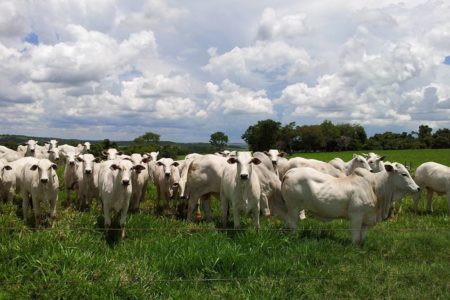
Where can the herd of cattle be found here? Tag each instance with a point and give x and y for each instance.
(362, 190)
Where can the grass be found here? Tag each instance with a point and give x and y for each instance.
(162, 257)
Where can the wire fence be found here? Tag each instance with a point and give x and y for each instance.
(445, 229)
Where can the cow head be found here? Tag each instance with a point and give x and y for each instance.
(31, 145)
(359, 161)
(53, 153)
(274, 154)
(88, 161)
(46, 170)
(124, 168)
(401, 178)
(244, 161)
(71, 159)
(375, 161)
(111, 153)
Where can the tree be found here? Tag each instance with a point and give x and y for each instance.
(263, 135)
(425, 136)
(147, 138)
(219, 140)
(441, 138)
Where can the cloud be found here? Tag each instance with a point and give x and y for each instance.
(271, 26)
(234, 99)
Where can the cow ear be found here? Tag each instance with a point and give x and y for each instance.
(55, 167)
(79, 159)
(266, 153)
(114, 167)
(232, 160)
(104, 153)
(34, 167)
(49, 151)
(388, 168)
(97, 159)
(119, 153)
(175, 164)
(256, 161)
(282, 154)
(139, 168)
(382, 158)
(159, 163)
(145, 160)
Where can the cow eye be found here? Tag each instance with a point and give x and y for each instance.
(404, 174)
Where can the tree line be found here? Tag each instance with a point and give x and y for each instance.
(324, 137)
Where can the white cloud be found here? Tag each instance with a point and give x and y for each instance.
(271, 26)
(234, 99)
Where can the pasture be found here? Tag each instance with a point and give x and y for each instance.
(162, 257)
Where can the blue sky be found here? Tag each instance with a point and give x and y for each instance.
(99, 69)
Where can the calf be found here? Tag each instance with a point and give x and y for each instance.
(240, 186)
(435, 178)
(362, 200)
(139, 180)
(358, 161)
(87, 173)
(72, 176)
(40, 182)
(166, 178)
(115, 189)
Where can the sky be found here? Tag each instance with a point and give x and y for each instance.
(95, 69)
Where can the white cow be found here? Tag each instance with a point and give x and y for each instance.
(224, 153)
(361, 200)
(139, 180)
(52, 144)
(300, 162)
(357, 161)
(40, 183)
(10, 155)
(115, 189)
(111, 153)
(394, 175)
(87, 170)
(166, 179)
(27, 148)
(240, 186)
(375, 161)
(7, 182)
(72, 175)
(14, 180)
(203, 180)
(274, 156)
(435, 178)
(184, 172)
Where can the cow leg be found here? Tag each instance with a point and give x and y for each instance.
(25, 202)
(356, 228)
(236, 215)
(292, 217)
(192, 204)
(36, 209)
(53, 201)
(448, 200)
(106, 214)
(123, 216)
(429, 200)
(416, 197)
(256, 217)
(206, 205)
(224, 202)
(264, 204)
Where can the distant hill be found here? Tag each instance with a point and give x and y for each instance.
(12, 140)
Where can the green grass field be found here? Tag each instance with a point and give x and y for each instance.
(161, 257)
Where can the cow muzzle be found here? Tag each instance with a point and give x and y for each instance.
(71, 163)
(126, 182)
(244, 176)
(44, 180)
(88, 171)
(167, 175)
(175, 185)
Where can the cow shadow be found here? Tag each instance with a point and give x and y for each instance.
(112, 236)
